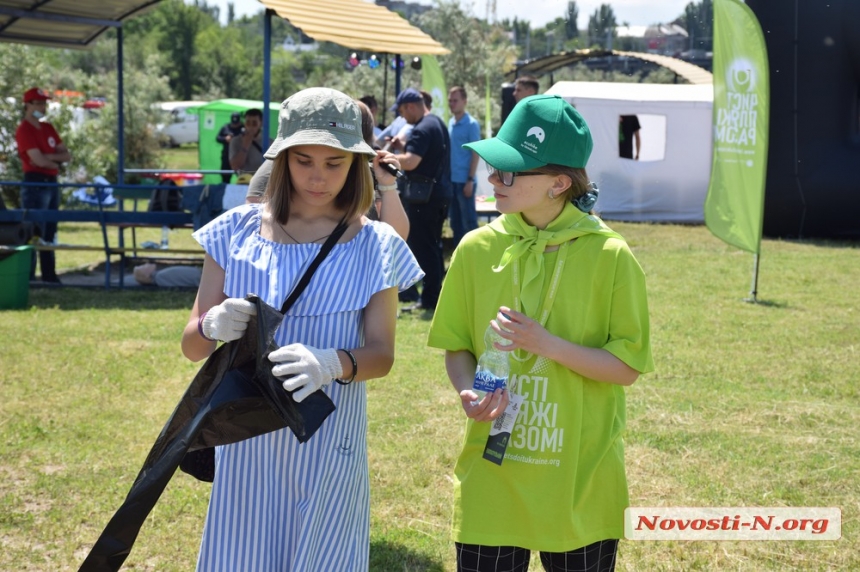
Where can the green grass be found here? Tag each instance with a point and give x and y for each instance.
(753, 405)
(182, 157)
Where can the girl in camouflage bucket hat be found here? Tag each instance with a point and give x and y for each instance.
(277, 504)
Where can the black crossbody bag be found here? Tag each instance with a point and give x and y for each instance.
(417, 189)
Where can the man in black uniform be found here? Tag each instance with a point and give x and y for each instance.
(428, 156)
(228, 131)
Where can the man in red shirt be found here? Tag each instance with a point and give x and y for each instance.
(41, 151)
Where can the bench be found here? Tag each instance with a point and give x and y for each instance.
(105, 219)
(136, 195)
(200, 204)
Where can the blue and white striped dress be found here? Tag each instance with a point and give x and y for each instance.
(276, 504)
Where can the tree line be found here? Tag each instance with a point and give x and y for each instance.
(181, 51)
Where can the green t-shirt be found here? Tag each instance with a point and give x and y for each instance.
(562, 483)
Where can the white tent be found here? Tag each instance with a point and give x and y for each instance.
(670, 181)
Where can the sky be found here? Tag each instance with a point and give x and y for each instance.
(538, 12)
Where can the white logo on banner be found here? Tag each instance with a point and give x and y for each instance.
(737, 119)
(740, 76)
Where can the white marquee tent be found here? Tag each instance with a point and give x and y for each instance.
(670, 180)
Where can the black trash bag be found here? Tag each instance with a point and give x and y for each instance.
(233, 397)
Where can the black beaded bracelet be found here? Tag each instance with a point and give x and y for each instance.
(354, 367)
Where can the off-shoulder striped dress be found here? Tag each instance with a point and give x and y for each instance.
(276, 504)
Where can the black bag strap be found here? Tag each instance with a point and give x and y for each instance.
(423, 179)
(257, 145)
(419, 179)
(306, 277)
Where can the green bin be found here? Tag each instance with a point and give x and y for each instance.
(15, 277)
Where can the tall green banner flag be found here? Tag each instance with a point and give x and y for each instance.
(735, 204)
(433, 82)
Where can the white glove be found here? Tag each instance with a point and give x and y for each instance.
(228, 320)
(310, 367)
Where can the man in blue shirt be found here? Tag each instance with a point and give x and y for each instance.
(463, 128)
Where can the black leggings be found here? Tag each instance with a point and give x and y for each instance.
(596, 557)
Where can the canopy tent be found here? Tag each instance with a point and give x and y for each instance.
(670, 181)
(548, 64)
(354, 24)
(64, 23)
(357, 25)
(213, 116)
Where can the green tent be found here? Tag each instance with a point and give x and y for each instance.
(213, 116)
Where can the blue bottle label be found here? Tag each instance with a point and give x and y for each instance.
(486, 381)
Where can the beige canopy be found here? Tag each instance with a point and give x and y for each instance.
(64, 23)
(357, 25)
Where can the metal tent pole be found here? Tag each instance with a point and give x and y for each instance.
(754, 287)
(267, 74)
(120, 101)
(384, 89)
(398, 62)
(120, 149)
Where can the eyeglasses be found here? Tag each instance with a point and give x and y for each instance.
(507, 177)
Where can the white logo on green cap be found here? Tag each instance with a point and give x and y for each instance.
(537, 132)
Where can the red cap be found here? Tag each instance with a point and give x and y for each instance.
(35, 94)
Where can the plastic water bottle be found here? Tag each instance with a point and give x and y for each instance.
(493, 368)
(165, 232)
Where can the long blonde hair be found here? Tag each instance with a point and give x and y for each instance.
(354, 198)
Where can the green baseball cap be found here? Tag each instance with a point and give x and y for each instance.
(541, 130)
(319, 116)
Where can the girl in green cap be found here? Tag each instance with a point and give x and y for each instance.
(568, 297)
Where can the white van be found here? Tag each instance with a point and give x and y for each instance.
(178, 127)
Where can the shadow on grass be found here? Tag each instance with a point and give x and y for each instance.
(388, 556)
(423, 315)
(824, 242)
(766, 303)
(137, 298)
